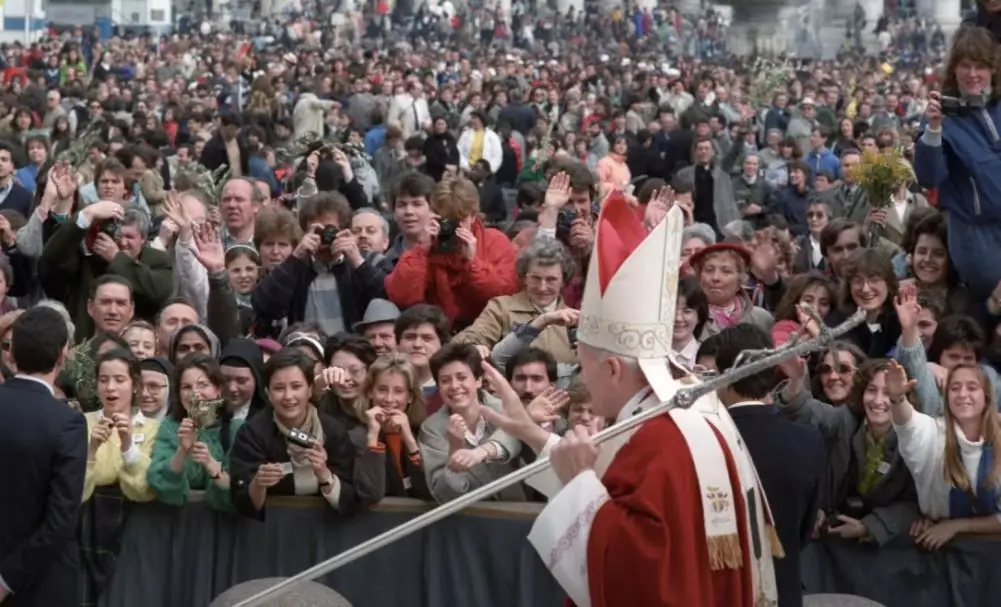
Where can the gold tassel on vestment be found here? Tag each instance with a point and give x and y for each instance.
(773, 539)
(725, 552)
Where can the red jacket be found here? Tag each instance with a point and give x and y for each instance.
(459, 287)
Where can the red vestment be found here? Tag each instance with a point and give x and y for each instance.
(647, 545)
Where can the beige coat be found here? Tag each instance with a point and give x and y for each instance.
(503, 314)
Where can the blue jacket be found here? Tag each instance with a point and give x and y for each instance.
(964, 162)
(824, 160)
(791, 204)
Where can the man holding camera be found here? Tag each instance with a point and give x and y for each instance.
(104, 238)
(326, 279)
(461, 265)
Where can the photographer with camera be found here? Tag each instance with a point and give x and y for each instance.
(104, 238)
(960, 154)
(326, 279)
(460, 265)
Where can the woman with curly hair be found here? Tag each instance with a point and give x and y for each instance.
(872, 498)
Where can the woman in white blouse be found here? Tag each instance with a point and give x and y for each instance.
(953, 459)
(690, 317)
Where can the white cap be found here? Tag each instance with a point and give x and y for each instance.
(807, 101)
(632, 290)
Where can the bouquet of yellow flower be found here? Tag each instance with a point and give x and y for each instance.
(880, 175)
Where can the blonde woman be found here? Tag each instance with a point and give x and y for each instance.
(953, 459)
(721, 270)
(394, 415)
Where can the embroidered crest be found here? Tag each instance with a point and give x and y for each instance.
(719, 499)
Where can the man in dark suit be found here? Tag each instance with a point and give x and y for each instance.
(43, 453)
(789, 457)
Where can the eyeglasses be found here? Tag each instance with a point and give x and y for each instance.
(842, 369)
(154, 389)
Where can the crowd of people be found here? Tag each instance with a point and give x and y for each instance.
(270, 267)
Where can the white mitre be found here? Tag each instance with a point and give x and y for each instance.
(632, 291)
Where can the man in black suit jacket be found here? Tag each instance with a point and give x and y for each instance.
(43, 453)
(789, 457)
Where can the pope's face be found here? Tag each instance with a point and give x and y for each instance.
(598, 372)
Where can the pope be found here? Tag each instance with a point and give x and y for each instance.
(670, 514)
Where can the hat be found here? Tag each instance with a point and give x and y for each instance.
(378, 311)
(159, 365)
(632, 290)
(696, 259)
(807, 101)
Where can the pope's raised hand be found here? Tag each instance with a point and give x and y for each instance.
(515, 420)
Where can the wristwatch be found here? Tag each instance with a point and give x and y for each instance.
(325, 484)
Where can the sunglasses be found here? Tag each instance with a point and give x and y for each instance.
(843, 369)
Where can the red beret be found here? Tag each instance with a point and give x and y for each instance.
(744, 253)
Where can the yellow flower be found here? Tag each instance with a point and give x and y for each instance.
(880, 174)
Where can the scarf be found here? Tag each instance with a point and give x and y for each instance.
(875, 449)
(305, 479)
(727, 317)
(964, 504)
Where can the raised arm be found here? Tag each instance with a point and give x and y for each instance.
(911, 352)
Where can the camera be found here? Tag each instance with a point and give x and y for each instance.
(572, 336)
(446, 242)
(853, 507)
(956, 106)
(300, 439)
(113, 228)
(327, 234)
(564, 220)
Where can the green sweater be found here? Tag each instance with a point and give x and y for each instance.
(172, 487)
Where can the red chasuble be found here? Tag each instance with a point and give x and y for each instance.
(648, 545)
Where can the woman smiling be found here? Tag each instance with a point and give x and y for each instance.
(690, 316)
(868, 283)
(722, 270)
(836, 372)
(954, 459)
(296, 450)
(192, 445)
(395, 414)
(460, 449)
(927, 250)
(873, 492)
